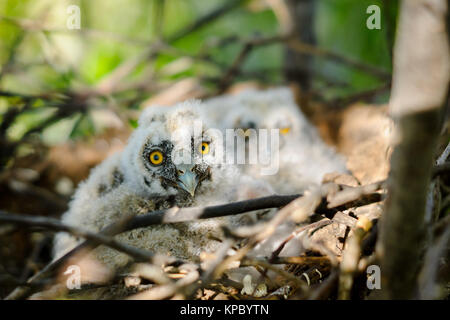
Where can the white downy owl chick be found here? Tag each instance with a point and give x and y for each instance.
(151, 174)
(304, 158)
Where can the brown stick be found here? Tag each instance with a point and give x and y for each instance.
(415, 103)
(175, 215)
(95, 238)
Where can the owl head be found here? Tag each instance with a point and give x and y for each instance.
(171, 151)
(268, 109)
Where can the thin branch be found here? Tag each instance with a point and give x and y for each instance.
(267, 265)
(314, 225)
(158, 18)
(95, 238)
(304, 261)
(444, 155)
(349, 264)
(441, 168)
(301, 208)
(350, 194)
(12, 54)
(323, 53)
(236, 65)
(207, 18)
(175, 215)
(362, 95)
(234, 68)
(154, 218)
(211, 271)
(428, 279)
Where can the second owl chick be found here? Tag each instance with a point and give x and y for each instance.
(304, 158)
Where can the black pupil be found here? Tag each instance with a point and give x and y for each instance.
(203, 147)
(156, 157)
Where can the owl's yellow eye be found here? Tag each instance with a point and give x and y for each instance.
(248, 132)
(284, 131)
(156, 157)
(204, 148)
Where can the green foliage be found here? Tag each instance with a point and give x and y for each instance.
(341, 27)
(38, 54)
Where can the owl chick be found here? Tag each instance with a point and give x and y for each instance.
(303, 157)
(168, 161)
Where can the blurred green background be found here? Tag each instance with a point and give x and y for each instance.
(40, 56)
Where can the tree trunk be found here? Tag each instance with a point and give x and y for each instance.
(420, 85)
(296, 17)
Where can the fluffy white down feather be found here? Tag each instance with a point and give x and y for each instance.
(304, 158)
(106, 197)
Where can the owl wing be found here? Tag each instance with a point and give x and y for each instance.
(85, 209)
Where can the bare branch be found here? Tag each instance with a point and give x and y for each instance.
(421, 48)
(207, 18)
(95, 238)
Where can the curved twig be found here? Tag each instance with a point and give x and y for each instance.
(94, 237)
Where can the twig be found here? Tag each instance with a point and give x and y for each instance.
(339, 217)
(349, 264)
(362, 95)
(158, 18)
(25, 97)
(444, 155)
(350, 194)
(211, 271)
(168, 290)
(95, 238)
(110, 82)
(267, 265)
(319, 52)
(10, 116)
(12, 54)
(153, 218)
(300, 209)
(441, 168)
(317, 224)
(51, 200)
(247, 47)
(207, 18)
(175, 215)
(35, 25)
(428, 288)
(234, 68)
(305, 261)
(324, 290)
(441, 225)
